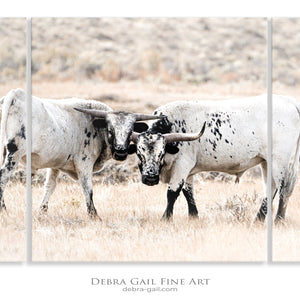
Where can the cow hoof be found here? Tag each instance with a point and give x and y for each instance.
(94, 216)
(166, 218)
(43, 209)
(279, 221)
(193, 217)
(2, 207)
(260, 218)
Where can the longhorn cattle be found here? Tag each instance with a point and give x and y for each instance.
(64, 139)
(235, 139)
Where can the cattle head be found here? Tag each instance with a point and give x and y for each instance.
(119, 126)
(151, 149)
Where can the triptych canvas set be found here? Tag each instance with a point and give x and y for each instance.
(149, 139)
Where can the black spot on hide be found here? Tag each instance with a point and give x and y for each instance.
(12, 147)
(213, 143)
(217, 133)
(218, 123)
(22, 132)
(161, 126)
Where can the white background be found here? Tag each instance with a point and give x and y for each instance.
(73, 281)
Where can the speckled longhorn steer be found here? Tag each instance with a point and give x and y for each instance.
(64, 139)
(235, 140)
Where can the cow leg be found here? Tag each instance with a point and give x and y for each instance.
(285, 190)
(188, 191)
(12, 159)
(261, 215)
(283, 200)
(172, 196)
(49, 188)
(87, 190)
(179, 174)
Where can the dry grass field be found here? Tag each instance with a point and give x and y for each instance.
(131, 229)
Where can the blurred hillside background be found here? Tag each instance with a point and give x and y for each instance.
(161, 50)
(286, 56)
(12, 54)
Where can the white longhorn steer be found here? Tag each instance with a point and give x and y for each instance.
(64, 139)
(235, 139)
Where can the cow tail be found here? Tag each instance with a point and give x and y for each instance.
(5, 108)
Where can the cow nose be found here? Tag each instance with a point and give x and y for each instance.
(150, 179)
(120, 153)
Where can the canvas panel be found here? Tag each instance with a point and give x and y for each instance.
(286, 82)
(13, 77)
(137, 65)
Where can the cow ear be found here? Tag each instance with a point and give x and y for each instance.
(131, 149)
(171, 149)
(99, 123)
(140, 127)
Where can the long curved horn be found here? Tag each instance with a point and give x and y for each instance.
(184, 137)
(144, 117)
(134, 137)
(93, 112)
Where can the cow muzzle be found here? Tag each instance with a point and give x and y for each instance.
(150, 179)
(120, 153)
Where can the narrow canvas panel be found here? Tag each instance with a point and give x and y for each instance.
(12, 139)
(137, 65)
(286, 130)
